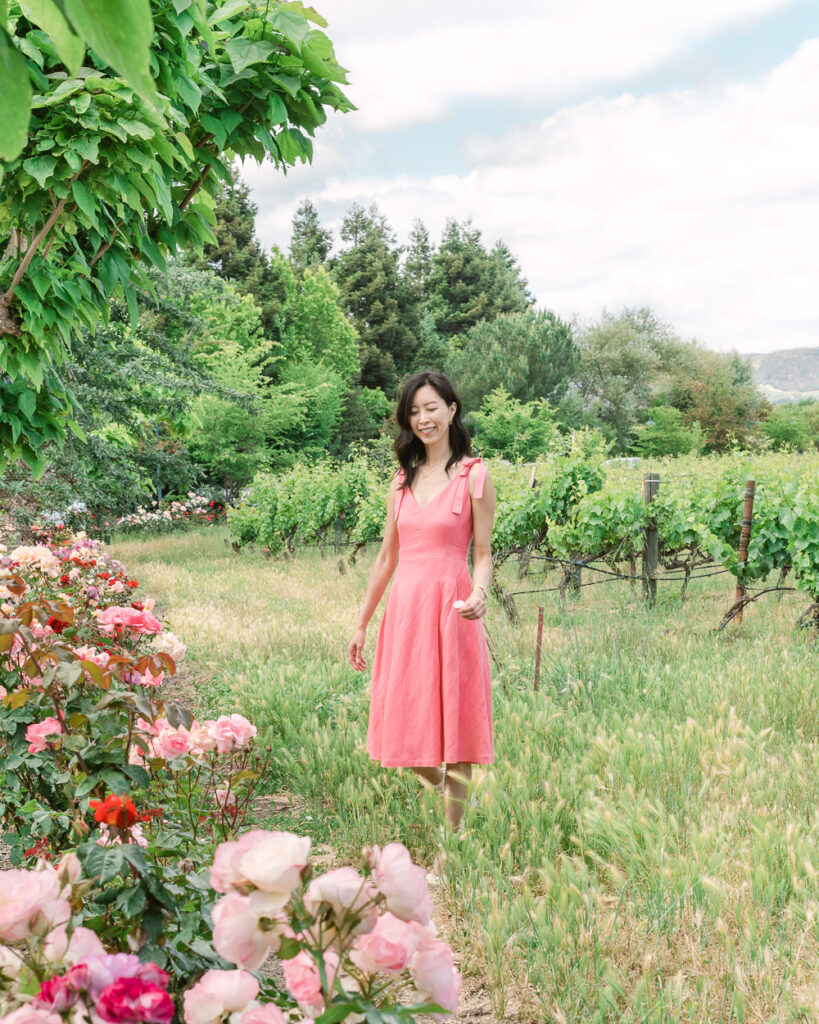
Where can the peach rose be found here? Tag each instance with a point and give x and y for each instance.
(345, 892)
(403, 883)
(270, 861)
(30, 903)
(389, 947)
(218, 993)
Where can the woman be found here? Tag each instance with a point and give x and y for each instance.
(431, 703)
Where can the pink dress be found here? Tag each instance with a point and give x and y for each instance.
(431, 687)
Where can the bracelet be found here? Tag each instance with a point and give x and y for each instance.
(480, 586)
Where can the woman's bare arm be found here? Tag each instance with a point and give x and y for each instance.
(380, 575)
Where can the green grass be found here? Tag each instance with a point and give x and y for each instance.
(646, 846)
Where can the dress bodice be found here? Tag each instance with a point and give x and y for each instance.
(441, 531)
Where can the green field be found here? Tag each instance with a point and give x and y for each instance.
(646, 846)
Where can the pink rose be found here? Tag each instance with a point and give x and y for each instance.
(229, 731)
(245, 929)
(116, 586)
(218, 993)
(201, 739)
(435, 975)
(32, 1015)
(389, 947)
(403, 883)
(38, 732)
(149, 679)
(58, 994)
(30, 903)
(107, 968)
(129, 618)
(3, 692)
(224, 798)
(303, 981)
(69, 869)
(345, 892)
(267, 1014)
(170, 743)
(83, 943)
(134, 1001)
(270, 861)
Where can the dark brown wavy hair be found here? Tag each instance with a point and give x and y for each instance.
(409, 449)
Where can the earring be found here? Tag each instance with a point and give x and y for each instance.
(451, 418)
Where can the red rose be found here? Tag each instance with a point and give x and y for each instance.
(57, 625)
(65, 580)
(104, 575)
(132, 583)
(115, 810)
(134, 1001)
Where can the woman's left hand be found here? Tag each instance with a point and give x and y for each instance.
(475, 605)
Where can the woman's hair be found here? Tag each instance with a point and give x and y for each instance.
(409, 449)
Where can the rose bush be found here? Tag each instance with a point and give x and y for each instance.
(112, 800)
(344, 953)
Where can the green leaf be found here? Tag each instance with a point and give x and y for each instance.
(276, 110)
(85, 201)
(291, 26)
(27, 403)
(88, 147)
(15, 89)
(333, 1014)
(228, 10)
(244, 52)
(132, 901)
(121, 35)
(49, 17)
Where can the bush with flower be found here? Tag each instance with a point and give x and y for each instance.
(355, 945)
(112, 799)
(177, 514)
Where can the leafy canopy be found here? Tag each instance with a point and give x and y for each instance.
(137, 110)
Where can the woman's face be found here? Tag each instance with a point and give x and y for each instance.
(430, 415)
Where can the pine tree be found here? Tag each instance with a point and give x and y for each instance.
(469, 284)
(376, 298)
(238, 254)
(310, 243)
(418, 262)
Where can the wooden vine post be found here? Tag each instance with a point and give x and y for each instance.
(538, 646)
(651, 544)
(744, 539)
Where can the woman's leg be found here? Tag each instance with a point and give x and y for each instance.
(455, 787)
(434, 776)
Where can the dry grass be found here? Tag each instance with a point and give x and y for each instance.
(644, 848)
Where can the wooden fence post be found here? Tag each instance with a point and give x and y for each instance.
(651, 545)
(744, 538)
(538, 647)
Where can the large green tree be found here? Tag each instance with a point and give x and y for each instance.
(111, 175)
(530, 355)
(310, 243)
(467, 284)
(374, 294)
(237, 254)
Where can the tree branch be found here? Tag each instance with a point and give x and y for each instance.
(108, 244)
(200, 181)
(37, 241)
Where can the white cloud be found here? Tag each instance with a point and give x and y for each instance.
(410, 62)
(702, 206)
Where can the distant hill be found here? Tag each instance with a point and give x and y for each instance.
(789, 375)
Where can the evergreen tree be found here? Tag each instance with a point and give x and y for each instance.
(418, 262)
(531, 355)
(469, 284)
(238, 254)
(310, 243)
(376, 298)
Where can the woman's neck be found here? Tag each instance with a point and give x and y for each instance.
(438, 453)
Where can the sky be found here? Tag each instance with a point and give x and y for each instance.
(660, 153)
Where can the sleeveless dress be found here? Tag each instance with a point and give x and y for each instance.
(431, 697)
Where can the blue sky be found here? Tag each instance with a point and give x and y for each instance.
(630, 152)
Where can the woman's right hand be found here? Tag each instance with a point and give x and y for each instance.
(356, 650)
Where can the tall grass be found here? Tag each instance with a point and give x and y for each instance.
(645, 847)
